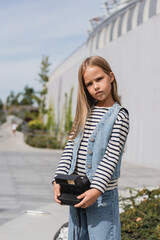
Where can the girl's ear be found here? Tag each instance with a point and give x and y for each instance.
(111, 74)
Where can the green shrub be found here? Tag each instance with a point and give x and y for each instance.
(19, 128)
(42, 141)
(28, 116)
(50, 125)
(36, 124)
(141, 217)
(2, 116)
(24, 114)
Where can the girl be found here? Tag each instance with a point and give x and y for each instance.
(95, 148)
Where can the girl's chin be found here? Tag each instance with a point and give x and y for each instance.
(100, 98)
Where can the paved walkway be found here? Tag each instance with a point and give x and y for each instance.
(25, 183)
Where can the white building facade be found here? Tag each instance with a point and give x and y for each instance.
(129, 39)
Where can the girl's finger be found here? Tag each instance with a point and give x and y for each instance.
(81, 196)
(80, 204)
(57, 192)
(56, 199)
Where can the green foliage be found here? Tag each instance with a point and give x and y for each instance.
(44, 70)
(43, 79)
(1, 104)
(141, 216)
(68, 111)
(61, 125)
(12, 99)
(2, 116)
(27, 96)
(25, 114)
(42, 140)
(19, 128)
(36, 124)
(2, 113)
(50, 119)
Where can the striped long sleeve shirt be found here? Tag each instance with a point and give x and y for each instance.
(101, 180)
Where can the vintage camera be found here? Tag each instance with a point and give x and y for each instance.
(71, 186)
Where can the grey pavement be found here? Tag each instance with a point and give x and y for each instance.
(25, 181)
(25, 184)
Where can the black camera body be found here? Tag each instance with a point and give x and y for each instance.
(71, 186)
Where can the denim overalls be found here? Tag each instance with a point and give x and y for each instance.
(101, 220)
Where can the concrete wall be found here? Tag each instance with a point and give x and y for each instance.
(135, 61)
(134, 56)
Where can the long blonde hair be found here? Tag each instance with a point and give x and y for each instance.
(84, 99)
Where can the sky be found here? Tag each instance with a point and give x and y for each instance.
(31, 29)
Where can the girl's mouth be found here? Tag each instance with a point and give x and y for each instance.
(99, 93)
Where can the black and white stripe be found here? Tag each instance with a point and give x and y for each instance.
(101, 180)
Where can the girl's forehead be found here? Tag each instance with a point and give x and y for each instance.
(93, 69)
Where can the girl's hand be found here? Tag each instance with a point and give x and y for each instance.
(57, 193)
(89, 197)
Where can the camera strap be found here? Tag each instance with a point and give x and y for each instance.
(78, 223)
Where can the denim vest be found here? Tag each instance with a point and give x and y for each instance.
(97, 144)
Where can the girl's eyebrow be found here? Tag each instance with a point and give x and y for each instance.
(87, 82)
(100, 76)
(95, 78)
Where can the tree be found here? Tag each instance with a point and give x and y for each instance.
(12, 99)
(43, 80)
(27, 96)
(2, 113)
(1, 104)
(51, 119)
(68, 111)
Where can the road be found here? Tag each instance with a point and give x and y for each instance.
(25, 174)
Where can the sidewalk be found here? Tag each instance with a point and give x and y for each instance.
(39, 164)
(36, 226)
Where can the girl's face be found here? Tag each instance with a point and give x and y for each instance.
(98, 84)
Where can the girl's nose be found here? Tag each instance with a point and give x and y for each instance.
(96, 86)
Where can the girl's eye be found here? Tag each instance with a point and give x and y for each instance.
(98, 79)
(89, 84)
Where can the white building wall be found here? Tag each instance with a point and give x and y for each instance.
(134, 58)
